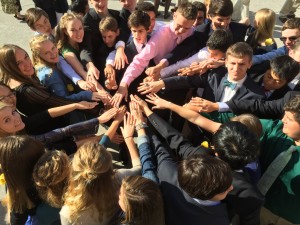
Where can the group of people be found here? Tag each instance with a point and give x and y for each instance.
(214, 105)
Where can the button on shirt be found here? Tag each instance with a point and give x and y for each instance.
(161, 43)
(228, 93)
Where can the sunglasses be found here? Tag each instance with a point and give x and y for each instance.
(292, 38)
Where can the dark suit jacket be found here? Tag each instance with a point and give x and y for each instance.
(260, 107)
(212, 82)
(180, 208)
(244, 200)
(93, 39)
(198, 40)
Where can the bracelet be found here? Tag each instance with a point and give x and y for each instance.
(140, 126)
(128, 137)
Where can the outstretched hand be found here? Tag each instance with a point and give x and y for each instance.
(158, 102)
(106, 116)
(129, 126)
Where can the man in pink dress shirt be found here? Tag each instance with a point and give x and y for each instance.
(161, 43)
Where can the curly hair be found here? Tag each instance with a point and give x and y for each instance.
(50, 175)
(92, 182)
(293, 106)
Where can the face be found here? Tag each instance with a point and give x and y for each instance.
(109, 37)
(216, 54)
(290, 126)
(7, 96)
(99, 5)
(128, 4)
(24, 63)
(181, 24)
(10, 121)
(237, 67)
(152, 20)
(139, 34)
(121, 199)
(289, 36)
(43, 26)
(223, 195)
(74, 30)
(220, 22)
(272, 81)
(295, 54)
(200, 19)
(48, 52)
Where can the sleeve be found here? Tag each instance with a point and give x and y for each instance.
(35, 121)
(68, 131)
(140, 61)
(110, 60)
(175, 139)
(256, 59)
(198, 57)
(105, 141)
(147, 161)
(68, 70)
(135, 170)
(185, 82)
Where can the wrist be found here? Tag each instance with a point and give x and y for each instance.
(141, 125)
(128, 138)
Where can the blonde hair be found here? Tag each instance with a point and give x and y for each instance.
(50, 175)
(250, 121)
(143, 201)
(265, 19)
(108, 24)
(61, 36)
(18, 154)
(35, 46)
(92, 182)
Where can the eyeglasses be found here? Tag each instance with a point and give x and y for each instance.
(12, 94)
(292, 38)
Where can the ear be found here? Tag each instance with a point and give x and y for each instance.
(118, 32)
(174, 15)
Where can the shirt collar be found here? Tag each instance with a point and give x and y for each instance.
(206, 202)
(138, 46)
(239, 82)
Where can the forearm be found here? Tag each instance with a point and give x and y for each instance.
(61, 110)
(133, 151)
(112, 129)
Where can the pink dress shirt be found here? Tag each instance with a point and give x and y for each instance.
(160, 44)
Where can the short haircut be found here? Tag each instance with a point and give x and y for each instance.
(187, 10)
(250, 121)
(139, 18)
(293, 23)
(146, 7)
(236, 144)
(240, 50)
(293, 106)
(204, 176)
(285, 67)
(78, 6)
(220, 40)
(34, 14)
(200, 7)
(108, 24)
(220, 8)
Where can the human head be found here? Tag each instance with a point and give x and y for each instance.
(205, 177)
(43, 50)
(238, 60)
(139, 22)
(148, 8)
(70, 30)
(141, 200)
(218, 43)
(291, 118)
(80, 7)
(290, 32)
(295, 51)
(100, 6)
(128, 4)
(18, 155)
(92, 182)
(220, 12)
(50, 175)
(38, 20)
(7, 95)
(236, 144)
(250, 121)
(201, 15)
(109, 29)
(184, 17)
(10, 120)
(283, 70)
(15, 64)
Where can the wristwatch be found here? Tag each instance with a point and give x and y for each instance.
(140, 126)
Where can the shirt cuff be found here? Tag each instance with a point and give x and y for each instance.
(165, 61)
(223, 107)
(142, 139)
(120, 44)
